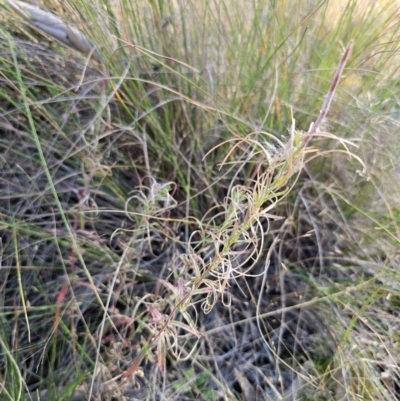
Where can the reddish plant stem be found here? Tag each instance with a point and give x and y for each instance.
(325, 108)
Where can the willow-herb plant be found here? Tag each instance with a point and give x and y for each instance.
(236, 242)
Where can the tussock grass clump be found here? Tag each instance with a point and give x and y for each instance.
(181, 217)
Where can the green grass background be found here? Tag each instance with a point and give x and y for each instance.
(122, 182)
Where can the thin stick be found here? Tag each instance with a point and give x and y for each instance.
(54, 26)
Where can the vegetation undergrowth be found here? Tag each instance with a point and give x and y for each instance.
(181, 218)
